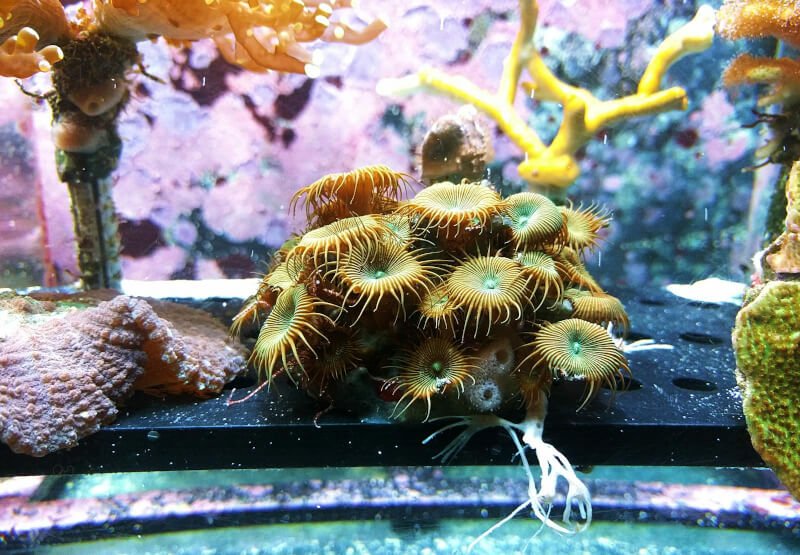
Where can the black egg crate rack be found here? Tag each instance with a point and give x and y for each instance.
(682, 407)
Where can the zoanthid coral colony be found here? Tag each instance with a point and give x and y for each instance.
(460, 302)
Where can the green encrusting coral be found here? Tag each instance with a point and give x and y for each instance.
(767, 343)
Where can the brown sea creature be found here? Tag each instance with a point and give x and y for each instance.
(436, 309)
(386, 271)
(330, 241)
(367, 190)
(574, 271)
(456, 147)
(600, 308)
(342, 353)
(292, 326)
(583, 226)
(544, 273)
(488, 288)
(534, 221)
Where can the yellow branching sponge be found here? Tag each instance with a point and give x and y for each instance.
(584, 114)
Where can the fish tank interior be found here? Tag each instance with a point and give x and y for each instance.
(435, 276)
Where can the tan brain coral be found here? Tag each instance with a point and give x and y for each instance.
(188, 353)
(64, 371)
(62, 379)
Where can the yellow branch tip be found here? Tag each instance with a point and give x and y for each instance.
(695, 36)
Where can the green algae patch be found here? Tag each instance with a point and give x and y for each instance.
(767, 344)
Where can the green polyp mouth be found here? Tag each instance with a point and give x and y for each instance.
(491, 283)
(575, 348)
(524, 214)
(377, 274)
(437, 367)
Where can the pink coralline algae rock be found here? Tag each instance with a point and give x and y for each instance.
(21, 233)
(35, 222)
(225, 148)
(162, 263)
(222, 150)
(603, 22)
(250, 205)
(723, 138)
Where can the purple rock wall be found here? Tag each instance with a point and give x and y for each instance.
(212, 156)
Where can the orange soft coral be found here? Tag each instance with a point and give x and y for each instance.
(767, 18)
(20, 58)
(28, 31)
(756, 19)
(257, 35)
(47, 17)
(738, 19)
(783, 74)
